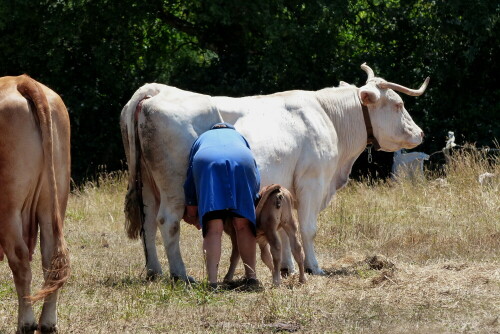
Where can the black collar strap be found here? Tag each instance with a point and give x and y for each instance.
(369, 129)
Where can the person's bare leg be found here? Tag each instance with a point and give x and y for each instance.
(246, 245)
(212, 248)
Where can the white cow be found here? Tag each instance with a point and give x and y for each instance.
(306, 141)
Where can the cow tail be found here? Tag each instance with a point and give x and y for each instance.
(59, 270)
(264, 194)
(134, 204)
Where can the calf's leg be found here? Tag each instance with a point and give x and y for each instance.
(291, 228)
(275, 244)
(265, 255)
(287, 265)
(235, 255)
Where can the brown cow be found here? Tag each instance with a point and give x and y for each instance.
(34, 183)
(274, 211)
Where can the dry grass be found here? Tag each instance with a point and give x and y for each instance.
(440, 273)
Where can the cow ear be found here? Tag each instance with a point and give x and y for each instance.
(369, 95)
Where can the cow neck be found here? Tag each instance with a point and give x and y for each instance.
(371, 140)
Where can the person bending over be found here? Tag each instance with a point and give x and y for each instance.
(223, 182)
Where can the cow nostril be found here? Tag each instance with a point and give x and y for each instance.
(422, 134)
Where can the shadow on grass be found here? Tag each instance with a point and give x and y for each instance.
(362, 268)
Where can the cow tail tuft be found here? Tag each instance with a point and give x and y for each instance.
(57, 274)
(132, 212)
(59, 270)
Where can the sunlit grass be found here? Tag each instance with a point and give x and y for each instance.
(442, 236)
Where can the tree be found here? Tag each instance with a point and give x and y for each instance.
(95, 54)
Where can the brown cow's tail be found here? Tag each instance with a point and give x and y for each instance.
(59, 270)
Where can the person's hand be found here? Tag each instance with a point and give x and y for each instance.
(191, 216)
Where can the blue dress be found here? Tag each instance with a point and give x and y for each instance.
(222, 173)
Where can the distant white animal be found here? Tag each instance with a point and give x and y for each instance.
(450, 140)
(306, 141)
(486, 178)
(408, 164)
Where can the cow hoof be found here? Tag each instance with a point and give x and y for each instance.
(48, 329)
(27, 329)
(152, 275)
(187, 279)
(316, 271)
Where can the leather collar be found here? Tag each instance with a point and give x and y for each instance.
(371, 140)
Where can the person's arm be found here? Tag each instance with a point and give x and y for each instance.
(191, 199)
(191, 216)
(190, 196)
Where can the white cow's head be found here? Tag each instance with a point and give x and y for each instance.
(393, 126)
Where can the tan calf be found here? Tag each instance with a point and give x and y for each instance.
(274, 211)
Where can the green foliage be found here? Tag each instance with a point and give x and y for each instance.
(95, 54)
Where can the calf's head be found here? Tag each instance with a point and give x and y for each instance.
(393, 126)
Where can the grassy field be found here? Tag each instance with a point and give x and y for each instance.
(437, 243)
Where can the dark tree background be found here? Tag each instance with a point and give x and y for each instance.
(96, 53)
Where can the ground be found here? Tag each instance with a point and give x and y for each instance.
(400, 257)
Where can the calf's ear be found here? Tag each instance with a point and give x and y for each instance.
(369, 95)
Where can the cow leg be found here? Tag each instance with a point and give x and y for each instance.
(169, 224)
(265, 255)
(287, 265)
(291, 228)
(17, 254)
(48, 318)
(275, 243)
(308, 210)
(235, 254)
(153, 265)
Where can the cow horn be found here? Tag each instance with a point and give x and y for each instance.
(368, 71)
(405, 90)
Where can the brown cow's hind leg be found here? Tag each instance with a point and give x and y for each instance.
(48, 318)
(17, 254)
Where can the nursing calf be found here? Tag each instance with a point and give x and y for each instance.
(274, 211)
